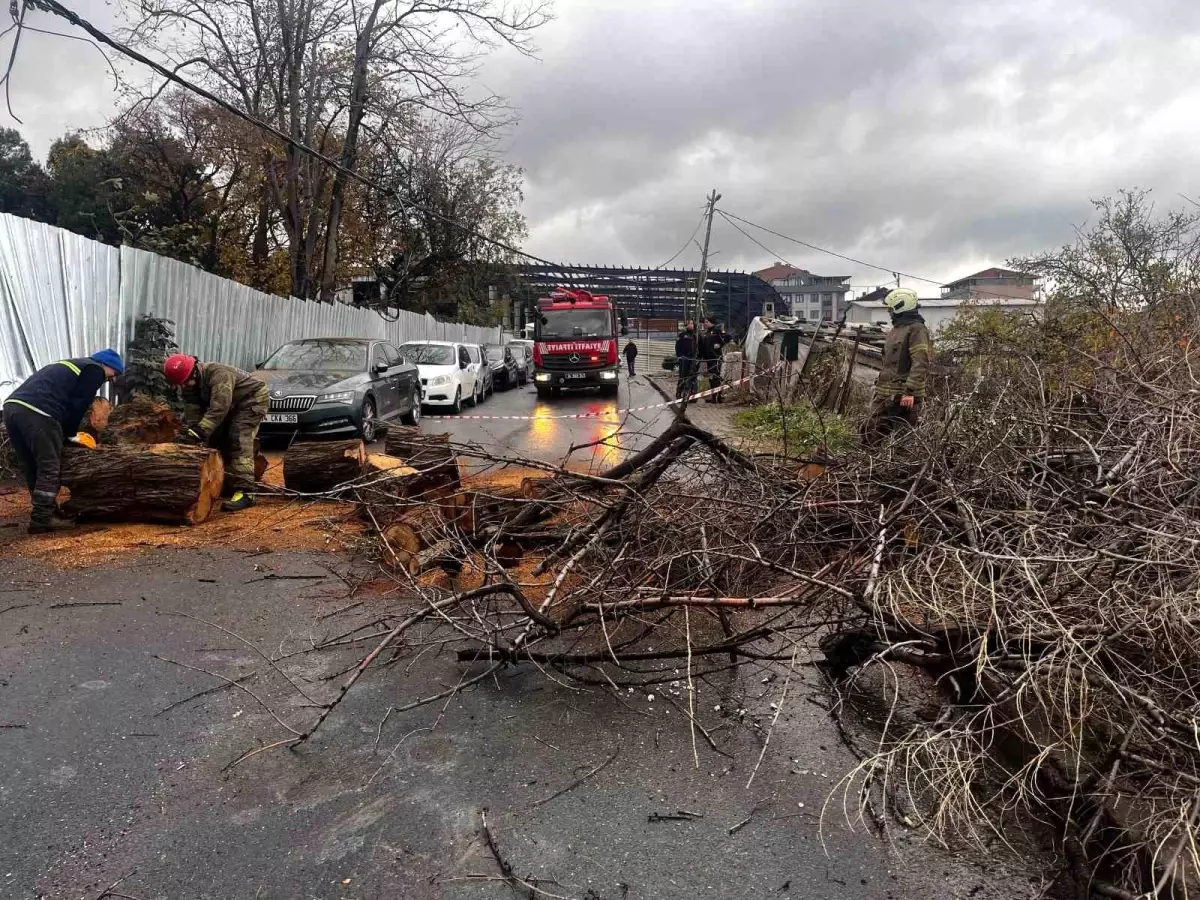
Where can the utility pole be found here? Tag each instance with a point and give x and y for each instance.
(702, 283)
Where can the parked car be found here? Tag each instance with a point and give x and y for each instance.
(338, 386)
(503, 364)
(479, 359)
(522, 352)
(448, 374)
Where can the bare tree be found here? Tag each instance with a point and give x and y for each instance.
(334, 77)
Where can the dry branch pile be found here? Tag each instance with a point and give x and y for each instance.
(1033, 547)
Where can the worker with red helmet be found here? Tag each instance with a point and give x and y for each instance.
(223, 407)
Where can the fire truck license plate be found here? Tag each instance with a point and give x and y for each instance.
(282, 418)
(577, 374)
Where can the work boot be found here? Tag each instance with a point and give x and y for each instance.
(46, 519)
(239, 500)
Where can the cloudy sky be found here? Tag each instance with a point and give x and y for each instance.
(935, 137)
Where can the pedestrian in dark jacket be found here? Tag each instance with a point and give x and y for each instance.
(712, 351)
(900, 388)
(685, 360)
(631, 352)
(43, 412)
(223, 407)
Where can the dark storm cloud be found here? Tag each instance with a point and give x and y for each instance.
(930, 136)
(61, 84)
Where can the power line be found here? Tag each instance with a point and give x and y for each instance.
(752, 239)
(686, 243)
(53, 6)
(729, 217)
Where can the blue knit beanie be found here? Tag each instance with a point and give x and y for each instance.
(110, 358)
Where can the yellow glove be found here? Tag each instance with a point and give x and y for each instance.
(83, 439)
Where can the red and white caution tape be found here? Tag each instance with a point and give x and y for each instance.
(619, 412)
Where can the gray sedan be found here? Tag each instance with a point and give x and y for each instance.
(338, 387)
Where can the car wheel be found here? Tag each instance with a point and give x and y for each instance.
(542, 392)
(413, 416)
(457, 407)
(368, 428)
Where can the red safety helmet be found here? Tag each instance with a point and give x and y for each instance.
(179, 367)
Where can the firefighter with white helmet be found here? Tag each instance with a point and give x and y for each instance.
(900, 388)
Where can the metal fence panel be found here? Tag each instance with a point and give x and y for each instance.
(65, 295)
(59, 297)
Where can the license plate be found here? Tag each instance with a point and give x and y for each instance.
(577, 374)
(283, 418)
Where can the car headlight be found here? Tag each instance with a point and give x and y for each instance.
(439, 380)
(542, 376)
(338, 397)
(608, 376)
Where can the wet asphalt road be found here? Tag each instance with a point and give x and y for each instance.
(604, 437)
(100, 780)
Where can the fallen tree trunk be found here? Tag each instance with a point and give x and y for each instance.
(320, 467)
(159, 483)
(406, 441)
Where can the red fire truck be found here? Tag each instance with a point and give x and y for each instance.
(575, 343)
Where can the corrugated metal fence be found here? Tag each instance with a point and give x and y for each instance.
(64, 295)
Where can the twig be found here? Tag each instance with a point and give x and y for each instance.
(108, 890)
(577, 782)
(778, 710)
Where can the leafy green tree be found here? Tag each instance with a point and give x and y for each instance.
(24, 186)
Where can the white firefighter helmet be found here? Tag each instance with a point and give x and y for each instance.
(901, 300)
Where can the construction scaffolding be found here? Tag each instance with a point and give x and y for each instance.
(656, 298)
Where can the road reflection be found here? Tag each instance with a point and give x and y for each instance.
(597, 433)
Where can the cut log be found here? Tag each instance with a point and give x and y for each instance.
(437, 469)
(406, 538)
(323, 466)
(385, 464)
(159, 483)
(385, 489)
(442, 555)
(406, 441)
(481, 509)
(141, 420)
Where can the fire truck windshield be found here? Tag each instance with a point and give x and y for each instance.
(563, 324)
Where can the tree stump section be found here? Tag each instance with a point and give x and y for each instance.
(323, 466)
(159, 483)
(406, 441)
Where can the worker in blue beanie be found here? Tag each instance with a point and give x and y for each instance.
(45, 409)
